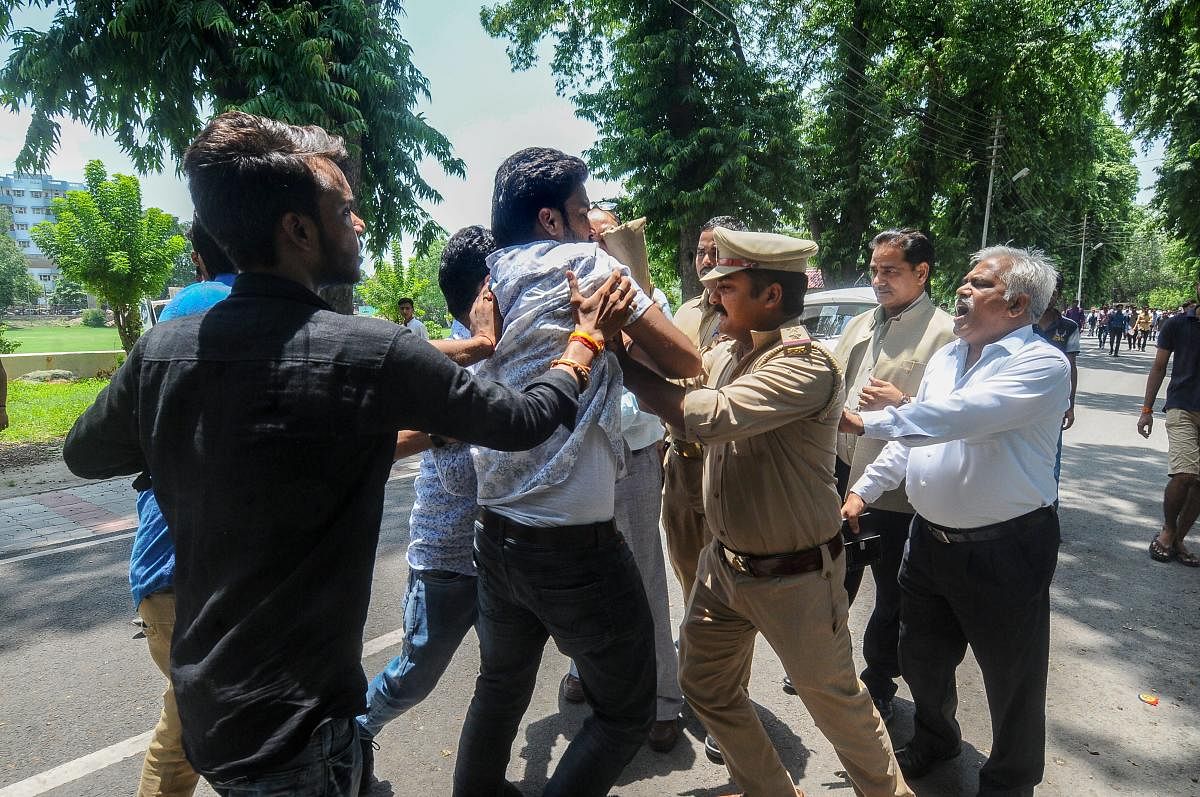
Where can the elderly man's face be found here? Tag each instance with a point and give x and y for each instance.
(600, 222)
(982, 315)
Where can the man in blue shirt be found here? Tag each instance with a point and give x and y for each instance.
(439, 607)
(1117, 323)
(166, 771)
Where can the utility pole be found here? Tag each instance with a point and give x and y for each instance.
(987, 208)
(1082, 245)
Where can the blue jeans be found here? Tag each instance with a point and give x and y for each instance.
(330, 766)
(590, 599)
(439, 609)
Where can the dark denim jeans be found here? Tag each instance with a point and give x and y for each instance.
(439, 610)
(330, 766)
(590, 599)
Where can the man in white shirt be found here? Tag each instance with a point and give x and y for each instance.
(976, 449)
(410, 321)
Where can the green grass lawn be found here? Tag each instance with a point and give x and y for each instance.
(40, 412)
(39, 339)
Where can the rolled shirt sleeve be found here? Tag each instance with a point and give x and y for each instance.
(785, 389)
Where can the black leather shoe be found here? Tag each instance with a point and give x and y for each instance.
(916, 763)
(712, 750)
(788, 689)
(885, 707)
(369, 746)
(572, 689)
(664, 735)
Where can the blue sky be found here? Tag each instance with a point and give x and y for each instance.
(486, 110)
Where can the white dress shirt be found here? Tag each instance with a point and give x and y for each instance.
(977, 446)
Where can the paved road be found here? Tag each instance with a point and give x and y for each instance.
(75, 685)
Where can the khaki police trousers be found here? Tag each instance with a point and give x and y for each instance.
(682, 516)
(803, 618)
(165, 770)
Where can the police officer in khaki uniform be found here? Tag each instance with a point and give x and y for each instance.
(884, 352)
(767, 418)
(682, 516)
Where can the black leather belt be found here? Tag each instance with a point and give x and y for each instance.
(992, 531)
(687, 450)
(587, 535)
(783, 564)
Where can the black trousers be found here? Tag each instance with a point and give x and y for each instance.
(881, 638)
(995, 597)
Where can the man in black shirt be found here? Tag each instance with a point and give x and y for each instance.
(296, 408)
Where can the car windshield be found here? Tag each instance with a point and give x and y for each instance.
(828, 320)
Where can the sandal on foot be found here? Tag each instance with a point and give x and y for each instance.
(1160, 553)
(1186, 557)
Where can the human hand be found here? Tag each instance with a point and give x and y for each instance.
(853, 507)
(604, 312)
(879, 394)
(1068, 419)
(850, 423)
(485, 315)
(1145, 424)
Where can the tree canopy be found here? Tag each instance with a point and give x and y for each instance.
(149, 74)
(103, 240)
(416, 280)
(16, 286)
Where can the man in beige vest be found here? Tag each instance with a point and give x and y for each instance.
(682, 505)
(884, 352)
(766, 417)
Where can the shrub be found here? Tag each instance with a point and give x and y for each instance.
(93, 317)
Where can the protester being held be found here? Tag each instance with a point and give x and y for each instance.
(884, 352)
(165, 769)
(298, 409)
(410, 321)
(976, 451)
(550, 560)
(1178, 339)
(638, 501)
(767, 417)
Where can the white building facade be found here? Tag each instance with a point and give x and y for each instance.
(28, 198)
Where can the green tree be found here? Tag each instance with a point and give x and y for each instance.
(103, 240)
(183, 270)
(16, 286)
(68, 294)
(145, 72)
(691, 124)
(1160, 97)
(415, 279)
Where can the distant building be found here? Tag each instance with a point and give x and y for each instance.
(28, 198)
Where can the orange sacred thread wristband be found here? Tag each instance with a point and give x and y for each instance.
(587, 340)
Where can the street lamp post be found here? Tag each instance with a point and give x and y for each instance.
(987, 209)
(1082, 251)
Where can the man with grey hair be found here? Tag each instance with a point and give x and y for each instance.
(976, 449)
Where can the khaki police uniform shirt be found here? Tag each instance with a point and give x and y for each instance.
(768, 421)
(697, 319)
(895, 350)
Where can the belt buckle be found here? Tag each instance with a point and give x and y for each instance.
(939, 535)
(737, 562)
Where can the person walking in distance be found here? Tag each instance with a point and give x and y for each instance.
(1178, 339)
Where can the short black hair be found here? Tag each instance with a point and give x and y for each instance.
(405, 300)
(214, 257)
(464, 267)
(527, 181)
(793, 283)
(914, 245)
(245, 172)
(728, 222)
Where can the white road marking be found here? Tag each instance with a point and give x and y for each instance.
(94, 762)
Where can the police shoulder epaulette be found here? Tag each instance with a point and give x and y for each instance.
(795, 340)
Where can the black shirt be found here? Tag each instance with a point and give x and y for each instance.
(268, 425)
(1180, 335)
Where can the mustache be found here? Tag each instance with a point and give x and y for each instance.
(719, 309)
(964, 305)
